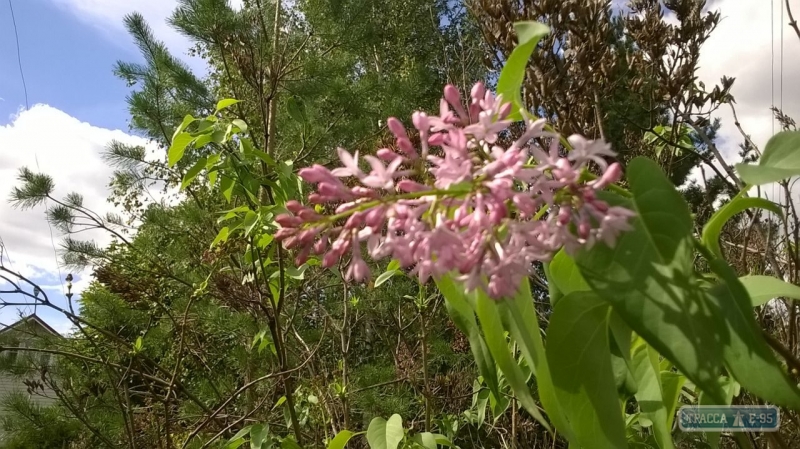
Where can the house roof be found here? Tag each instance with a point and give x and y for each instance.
(28, 319)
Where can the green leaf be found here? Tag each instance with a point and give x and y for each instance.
(258, 436)
(202, 141)
(213, 160)
(258, 337)
(239, 123)
(499, 404)
(290, 443)
(740, 203)
(671, 384)
(227, 185)
(780, 160)
(193, 172)
(187, 120)
(382, 434)
(393, 265)
(222, 236)
(225, 103)
(442, 440)
(231, 213)
(520, 319)
(649, 278)
(264, 157)
(219, 136)
(177, 148)
(234, 444)
(264, 240)
(385, 276)
(426, 440)
(203, 127)
(761, 289)
(513, 74)
(296, 109)
(565, 274)
(464, 318)
(341, 439)
(480, 397)
(620, 346)
(493, 331)
(580, 361)
(554, 293)
(242, 433)
(747, 356)
(250, 222)
(296, 272)
(644, 364)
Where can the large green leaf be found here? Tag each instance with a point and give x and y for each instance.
(747, 356)
(580, 361)
(740, 203)
(553, 292)
(187, 120)
(620, 346)
(671, 384)
(781, 160)
(177, 148)
(341, 439)
(225, 103)
(649, 395)
(383, 434)
(565, 274)
(513, 74)
(520, 319)
(258, 436)
(761, 289)
(193, 172)
(426, 440)
(226, 186)
(493, 331)
(649, 278)
(464, 318)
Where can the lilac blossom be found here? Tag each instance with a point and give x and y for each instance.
(460, 204)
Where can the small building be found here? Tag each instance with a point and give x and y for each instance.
(18, 369)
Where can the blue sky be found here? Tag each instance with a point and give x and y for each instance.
(68, 65)
(68, 50)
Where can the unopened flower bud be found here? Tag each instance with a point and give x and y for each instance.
(478, 91)
(396, 128)
(420, 120)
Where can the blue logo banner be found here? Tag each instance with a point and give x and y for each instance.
(731, 418)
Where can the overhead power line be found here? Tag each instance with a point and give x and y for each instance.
(19, 56)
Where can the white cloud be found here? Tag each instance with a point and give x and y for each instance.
(50, 141)
(107, 15)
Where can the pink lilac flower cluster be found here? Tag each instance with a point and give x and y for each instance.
(459, 203)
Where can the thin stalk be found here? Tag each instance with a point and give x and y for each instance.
(426, 381)
(344, 337)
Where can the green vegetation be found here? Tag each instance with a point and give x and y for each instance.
(202, 330)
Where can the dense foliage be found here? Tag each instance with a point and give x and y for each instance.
(222, 315)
